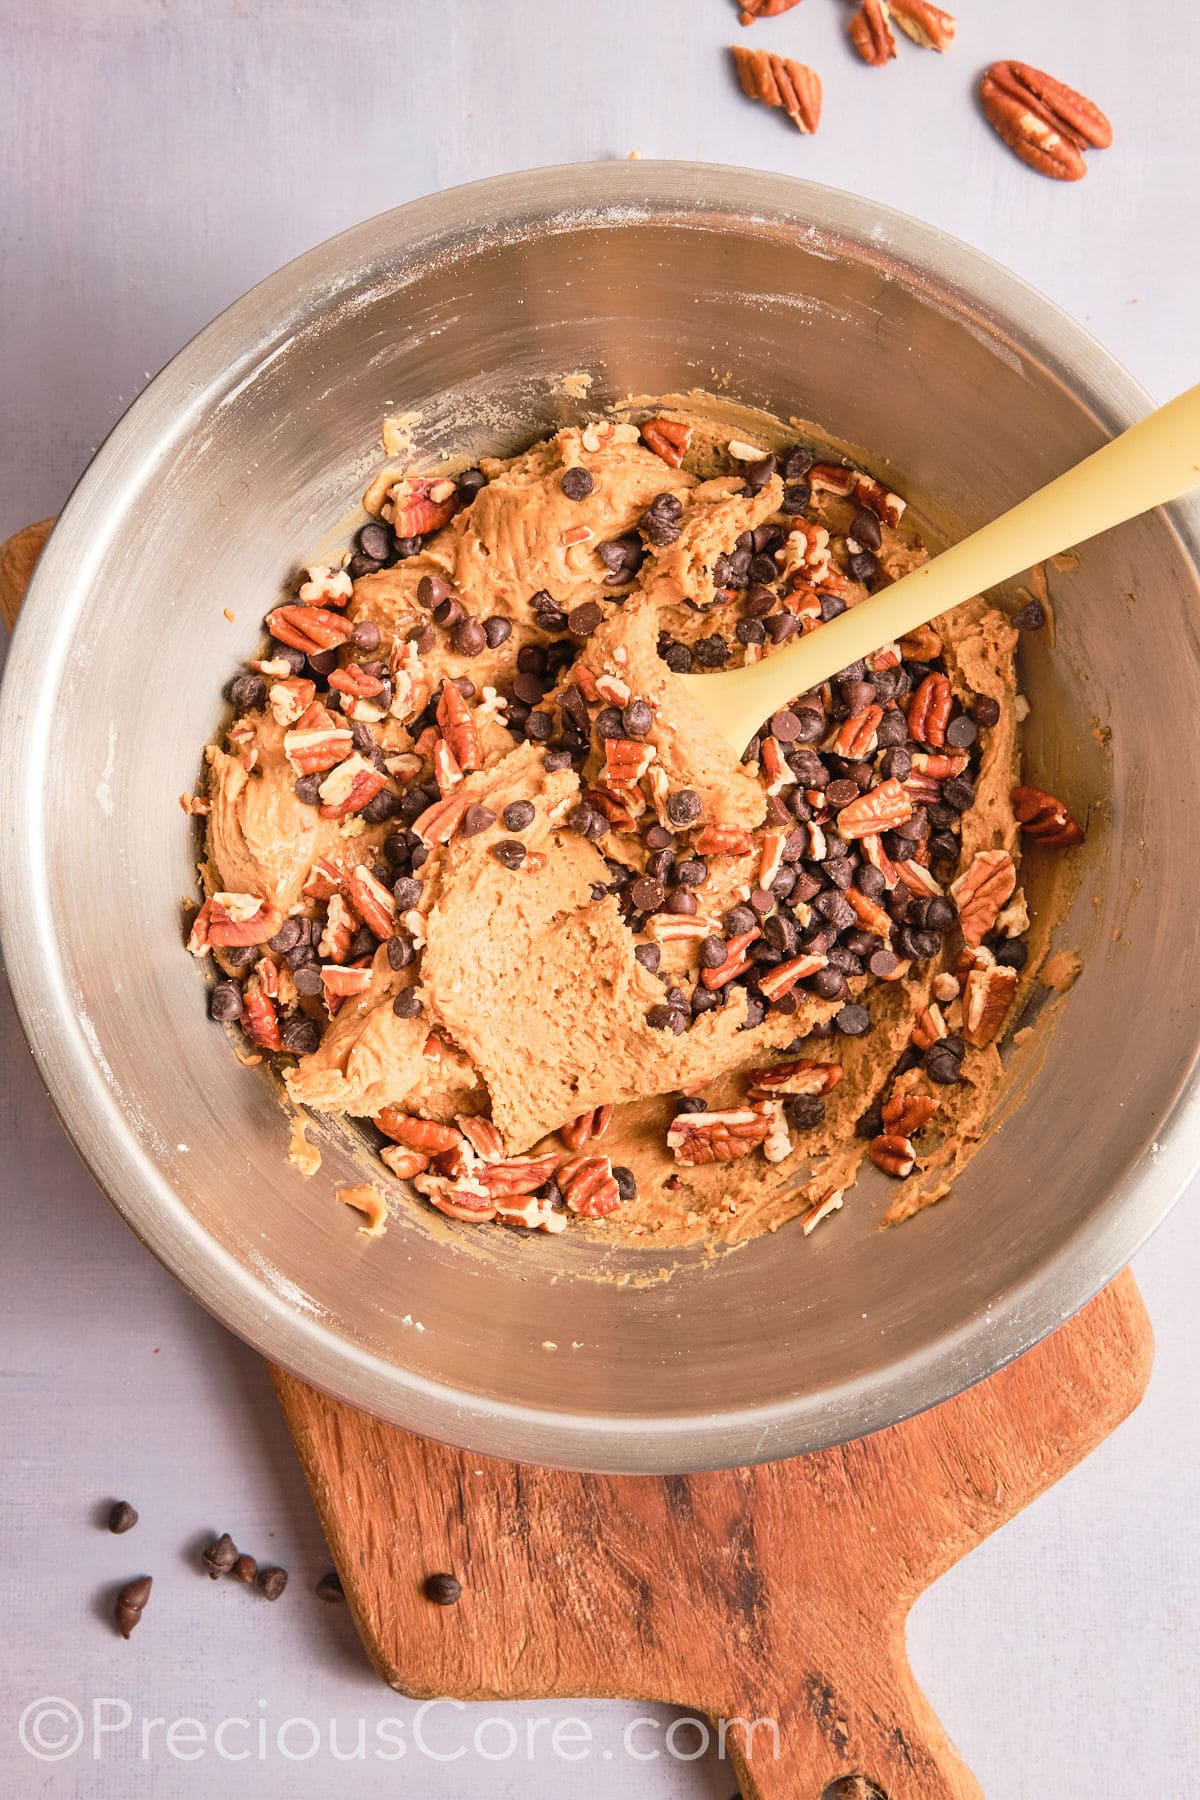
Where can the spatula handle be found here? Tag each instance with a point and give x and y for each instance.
(1156, 460)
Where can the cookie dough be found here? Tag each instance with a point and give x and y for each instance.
(477, 869)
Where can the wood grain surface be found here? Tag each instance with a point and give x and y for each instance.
(773, 1599)
(778, 1592)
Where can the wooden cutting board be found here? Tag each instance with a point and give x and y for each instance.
(777, 1593)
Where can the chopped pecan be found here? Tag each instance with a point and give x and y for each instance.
(883, 503)
(667, 438)
(797, 1077)
(826, 1203)
(906, 1112)
(723, 840)
(325, 587)
(871, 916)
(589, 1186)
(534, 1215)
(784, 976)
(929, 1026)
(439, 822)
(1044, 818)
(459, 729)
(981, 891)
(924, 23)
(482, 1136)
(226, 920)
(259, 1020)
(372, 902)
(323, 880)
(337, 934)
(348, 788)
(777, 1145)
(986, 998)
(425, 1135)
(519, 1175)
(410, 683)
(770, 859)
(1047, 124)
(736, 961)
(403, 1162)
(832, 478)
(626, 761)
(763, 9)
(289, 699)
(356, 681)
(344, 981)
(780, 81)
(805, 552)
(921, 645)
(308, 628)
(586, 1128)
(855, 737)
(894, 1154)
(778, 774)
(881, 809)
(917, 877)
(319, 742)
(718, 1137)
(871, 34)
(446, 770)
(421, 504)
(929, 710)
(463, 1199)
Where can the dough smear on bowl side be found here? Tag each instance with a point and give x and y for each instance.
(478, 871)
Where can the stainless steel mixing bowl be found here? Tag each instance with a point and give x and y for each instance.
(471, 307)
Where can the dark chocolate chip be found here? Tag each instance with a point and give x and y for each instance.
(577, 484)
(711, 652)
(785, 726)
(797, 496)
(803, 1112)
(271, 1583)
(862, 566)
(497, 630)
(556, 759)
(442, 1589)
(647, 895)
(583, 620)
(376, 540)
(961, 732)
(831, 606)
(300, 1035)
(586, 821)
(649, 955)
(1031, 617)
(682, 902)
(406, 1005)
(684, 807)
(829, 984)
(468, 638)
(985, 711)
(626, 1181)
(131, 1603)
(678, 658)
(401, 951)
(941, 1065)
(323, 662)
(636, 719)
(519, 815)
(853, 1021)
(691, 872)
(308, 979)
(666, 1018)
(225, 1002)
(510, 852)
(739, 920)
(330, 1588)
(958, 793)
(469, 484)
(121, 1517)
(1012, 954)
(220, 1556)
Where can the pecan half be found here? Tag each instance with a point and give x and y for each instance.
(981, 891)
(881, 809)
(798, 1077)
(459, 729)
(924, 23)
(1044, 122)
(319, 742)
(589, 1186)
(783, 978)
(422, 504)
(348, 788)
(929, 710)
(517, 1176)
(403, 1162)
(228, 920)
(763, 9)
(906, 1113)
(626, 761)
(586, 1128)
(723, 840)
(780, 81)
(987, 996)
(1044, 818)
(871, 34)
(308, 628)
(425, 1135)
(921, 645)
(482, 1136)
(855, 737)
(669, 438)
(720, 1137)
(356, 681)
(439, 822)
(259, 1020)
(893, 1154)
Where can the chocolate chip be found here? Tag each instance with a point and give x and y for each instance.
(626, 1181)
(586, 821)
(829, 984)
(883, 963)
(577, 484)
(622, 558)
(666, 1018)
(497, 630)
(713, 952)
(1031, 616)
(781, 626)
(782, 933)
(940, 914)
(1012, 954)
(308, 979)
(437, 596)
(797, 463)
(761, 902)
(684, 806)
(323, 662)
(248, 692)
(853, 1021)
(804, 1111)
(468, 638)
(637, 719)
(985, 711)
(759, 473)
(831, 606)
(376, 541)
(548, 613)
(682, 902)
(406, 1005)
(244, 1569)
(750, 631)
(958, 793)
(405, 891)
(225, 1002)
(443, 1590)
(509, 851)
(556, 759)
(649, 955)
(583, 620)
(406, 547)
(519, 815)
(300, 1035)
(469, 484)
(785, 726)
(861, 566)
(691, 872)
(647, 895)
(841, 793)
(711, 652)
(271, 1583)
(896, 763)
(401, 951)
(131, 1603)
(961, 732)
(366, 636)
(797, 496)
(121, 1517)
(739, 920)
(941, 1065)
(330, 1588)
(756, 1011)
(423, 638)
(528, 687)
(220, 1556)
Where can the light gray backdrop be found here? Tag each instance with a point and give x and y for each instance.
(159, 156)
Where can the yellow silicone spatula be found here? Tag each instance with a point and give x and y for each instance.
(1156, 460)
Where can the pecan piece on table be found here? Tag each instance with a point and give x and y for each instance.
(1044, 818)
(763, 9)
(924, 23)
(872, 35)
(780, 81)
(1044, 122)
